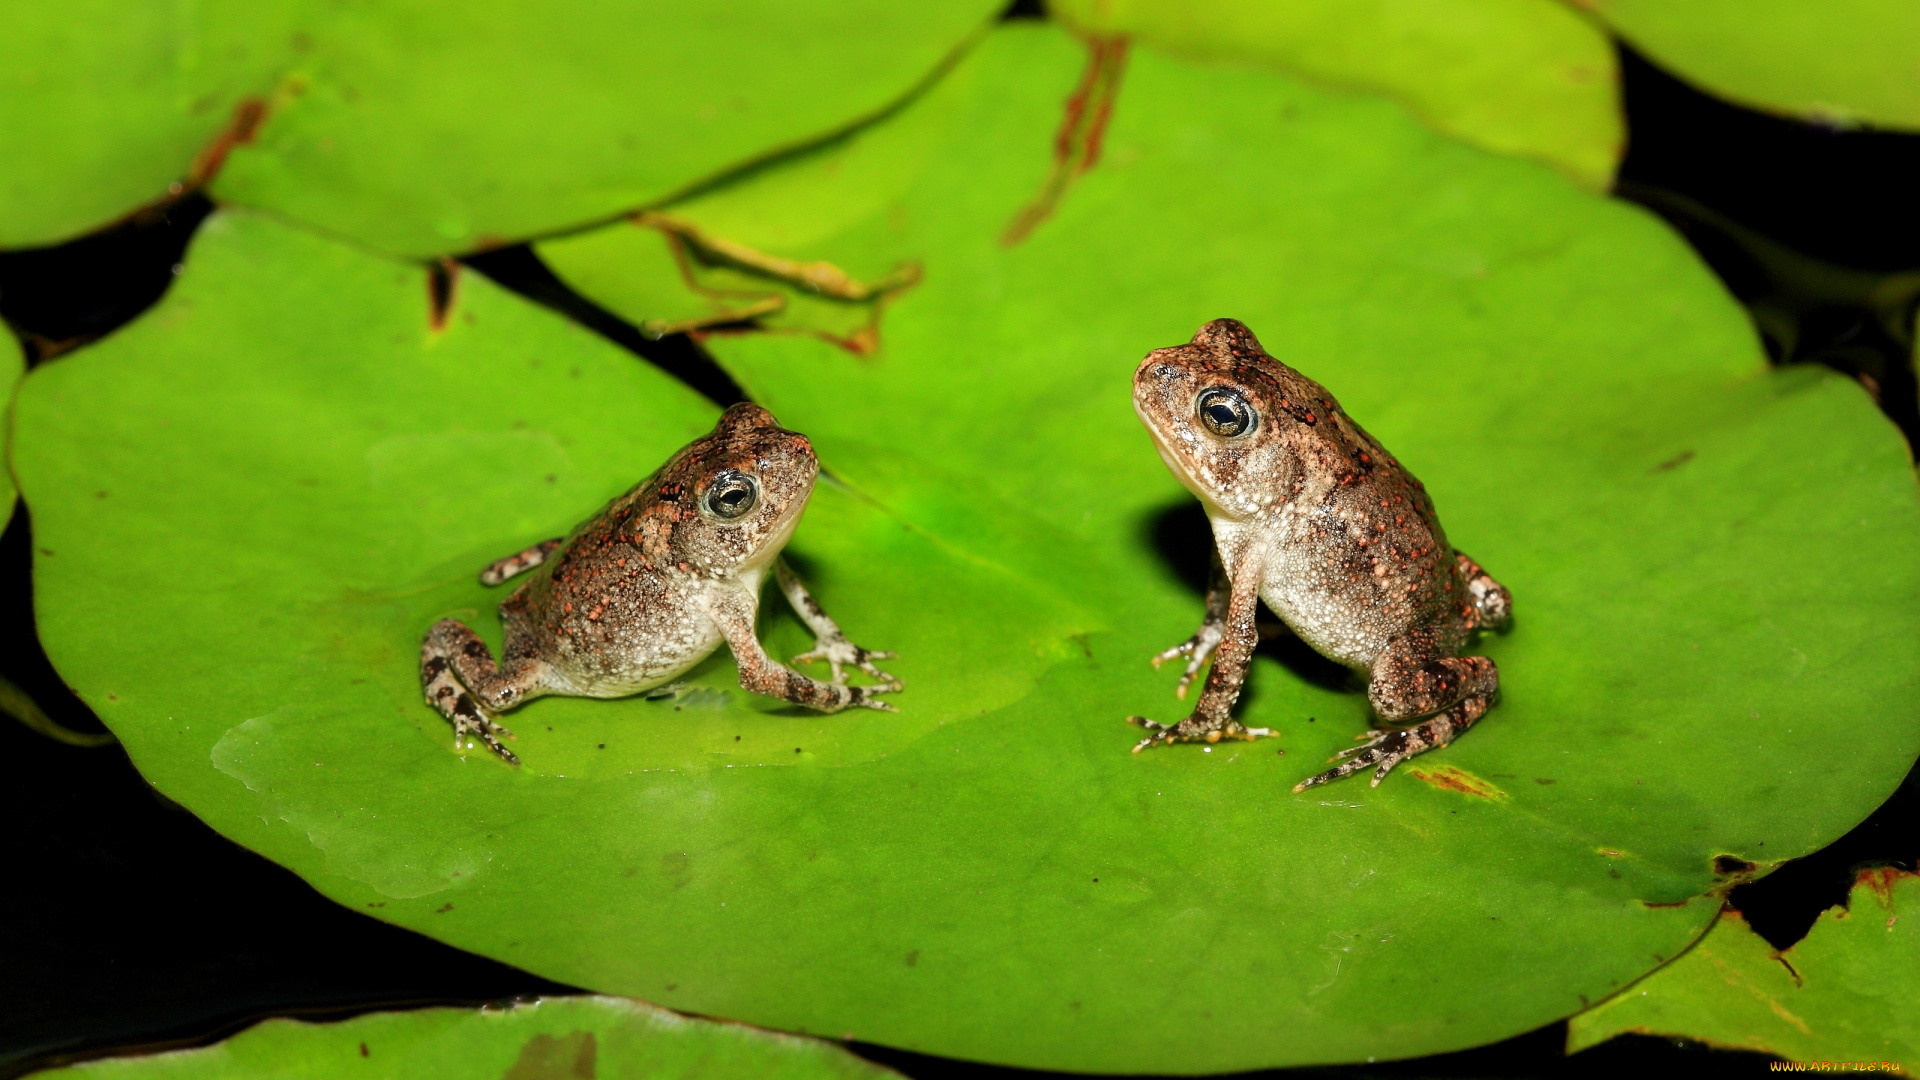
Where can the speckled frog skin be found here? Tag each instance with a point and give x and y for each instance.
(651, 585)
(1313, 516)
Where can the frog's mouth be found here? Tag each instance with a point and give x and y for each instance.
(1175, 464)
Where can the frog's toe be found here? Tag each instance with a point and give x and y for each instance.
(1159, 732)
(1386, 748)
(470, 723)
(841, 654)
(1194, 730)
(863, 697)
(865, 663)
(1196, 649)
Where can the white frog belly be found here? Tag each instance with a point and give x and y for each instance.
(1304, 592)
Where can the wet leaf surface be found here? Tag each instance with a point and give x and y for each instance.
(1523, 77)
(1846, 61)
(431, 127)
(103, 105)
(1844, 993)
(548, 1039)
(302, 476)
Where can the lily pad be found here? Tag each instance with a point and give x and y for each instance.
(432, 127)
(302, 475)
(103, 104)
(1846, 61)
(549, 1039)
(1524, 77)
(1844, 993)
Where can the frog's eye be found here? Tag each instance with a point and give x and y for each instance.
(732, 495)
(1225, 412)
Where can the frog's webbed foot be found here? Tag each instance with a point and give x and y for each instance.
(457, 672)
(1387, 747)
(839, 653)
(477, 724)
(1195, 729)
(457, 705)
(861, 697)
(1196, 649)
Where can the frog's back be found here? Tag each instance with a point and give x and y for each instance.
(609, 620)
(1359, 557)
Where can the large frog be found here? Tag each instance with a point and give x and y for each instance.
(1313, 516)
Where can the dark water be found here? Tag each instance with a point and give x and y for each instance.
(134, 925)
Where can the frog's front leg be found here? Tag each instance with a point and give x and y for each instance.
(461, 680)
(829, 643)
(1409, 682)
(1212, 628)
(734, 611)
(1212, 718)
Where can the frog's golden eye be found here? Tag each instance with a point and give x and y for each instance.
(1225, 412)
(731, 495)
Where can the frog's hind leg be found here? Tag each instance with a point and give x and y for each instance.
(1410, 680)
(519, 562)
(1492, 603)
(461, 680)
(1390, 748)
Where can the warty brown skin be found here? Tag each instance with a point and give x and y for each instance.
(650, 586)
(1313, 516)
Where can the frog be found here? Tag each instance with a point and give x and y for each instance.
(1312, 516)
(651, 585)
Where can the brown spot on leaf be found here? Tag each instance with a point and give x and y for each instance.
(573, 1056)
(1451, 779)
(1881, 880)
(1673, 462)
(443, 275)
(248, 114)
(1076, 146)
(1733, 866)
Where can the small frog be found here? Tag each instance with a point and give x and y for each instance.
(651, 585)
(1313, 516)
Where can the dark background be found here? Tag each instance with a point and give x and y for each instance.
(136, 926)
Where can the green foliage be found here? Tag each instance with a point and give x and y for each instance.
(429, 126)
(1845, 60)
(1525, 77)
(103, 104)
(550, 1039)
(300, 474)
(1844, 993)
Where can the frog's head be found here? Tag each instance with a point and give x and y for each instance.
(730, 499)
(1229, 420)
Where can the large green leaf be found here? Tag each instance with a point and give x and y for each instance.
(550, 1039)
(427, 126)
(103, 104)
(1844, 993)
(1526, 77)
(1845, 60)
(301, 477)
